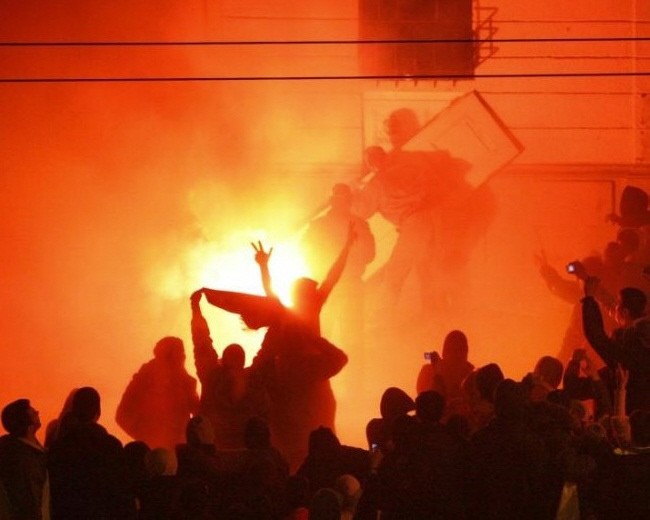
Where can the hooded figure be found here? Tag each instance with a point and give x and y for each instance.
(159, 400)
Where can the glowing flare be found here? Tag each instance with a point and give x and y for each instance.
(231, 266)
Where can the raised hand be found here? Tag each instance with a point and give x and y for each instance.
(261, 256)
(195, 298)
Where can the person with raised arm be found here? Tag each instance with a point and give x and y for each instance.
(308, 296)
(230, 394)
(628, 345)
(297, 362)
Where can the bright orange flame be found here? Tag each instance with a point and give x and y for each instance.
(230, 265)
(235, 269)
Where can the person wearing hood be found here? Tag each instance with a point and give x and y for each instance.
(160, 398)
(628, 346)
(445, 375)
(87, 466)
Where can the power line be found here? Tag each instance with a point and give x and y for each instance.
(434, 77)
(320, 42)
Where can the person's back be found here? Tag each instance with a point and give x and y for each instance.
(199, 463)
(445, 375)
(160, 398)
(302, 398)
(230, 393)
(507, 461)
(87, 467)
(624, 480)
(328, 459)
(161, 494)
(264, 472)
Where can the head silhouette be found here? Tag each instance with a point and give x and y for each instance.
(234, 357)
(323, 441)
(401, 125)
(632, 302)
(199, 431)
(304, 293)
(455, 347)
(86, 405)
(429, 406)
(18, 416)
(394, 403)
(487, 378)
(550, 370)
(170, 350)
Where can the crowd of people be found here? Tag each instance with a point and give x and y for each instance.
(570, 440)
(567, 441)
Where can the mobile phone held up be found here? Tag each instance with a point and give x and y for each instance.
(432, 356)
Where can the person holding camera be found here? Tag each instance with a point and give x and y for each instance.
(628, 345)
(445, 374)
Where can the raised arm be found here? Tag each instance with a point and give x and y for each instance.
(335, 272)
(262, 258)
(206, 358)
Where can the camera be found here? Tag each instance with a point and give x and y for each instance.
(432, 356)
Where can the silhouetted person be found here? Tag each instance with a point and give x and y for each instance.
(545, 378)
(264, 473)
(87, 466)
(326, 504)
(199, 463)
(297, 363)
(161, 397)
(582, 382)
(23, 470)
(52, 428)
(623, 489)
(628, 346)
(507, 461)
(478, 394)
(323, 241)
(437, 214)
(394, 403)
(230, 393)
(444, 454)
(308, 296)
(402, 488)
(445, 375)
(634, 215)
(636, 260)
(569, 290)
(297, 498)
(136, 471)
(328, 459)
(161, 494)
